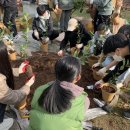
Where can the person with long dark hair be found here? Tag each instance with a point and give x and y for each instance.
(9, 96)
(60, 104)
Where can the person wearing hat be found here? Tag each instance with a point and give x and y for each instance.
(76, 35)
(42, 27)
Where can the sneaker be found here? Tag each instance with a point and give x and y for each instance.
(127, 115)
(6, 124)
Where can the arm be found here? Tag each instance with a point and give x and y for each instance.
(34, 27)
(9, 96)
(64, 42)
(113, 63)
(119, 69)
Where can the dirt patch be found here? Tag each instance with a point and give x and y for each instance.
(43, 67)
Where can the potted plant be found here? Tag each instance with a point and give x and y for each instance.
(8, 41)
(24, 52)
(95, 75)
(92, 59)
(108, 92)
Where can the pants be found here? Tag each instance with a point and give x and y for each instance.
(52, 35)
(65, 16)
(106, 19)
(9, 16)
(2, 112)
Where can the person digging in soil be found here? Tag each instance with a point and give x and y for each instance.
(41, 26)
(119, 47)
(9, 96)
(124, 30)
(62, 103)
(76, 35)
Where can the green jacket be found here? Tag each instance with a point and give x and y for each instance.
(69, 120)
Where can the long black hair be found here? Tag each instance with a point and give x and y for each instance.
(5, 66)
(56, 99)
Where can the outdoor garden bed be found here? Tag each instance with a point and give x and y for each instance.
(43, 67)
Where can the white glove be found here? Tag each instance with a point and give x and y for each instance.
(23, 66)
(79, 46)
(102, 71)
(46, 39)
(99, 83)
(31, 81)
(96, 65)
(60, 53)
(36, 34)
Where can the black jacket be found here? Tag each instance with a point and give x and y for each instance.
(79, 35)
(36, 26)
(8, 3)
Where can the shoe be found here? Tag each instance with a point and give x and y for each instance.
(127, 115)
(6, 124)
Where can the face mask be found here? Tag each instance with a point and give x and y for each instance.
(46, 15)
(117, 58)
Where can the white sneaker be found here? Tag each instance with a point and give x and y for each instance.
(6, 124)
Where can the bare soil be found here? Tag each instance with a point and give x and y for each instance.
(43, 66)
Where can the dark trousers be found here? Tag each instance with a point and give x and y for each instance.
(52, 35)
(106, 19)
(2, 112)
(9, 19)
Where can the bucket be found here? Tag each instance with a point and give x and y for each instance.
(108, 92)
(44, 47)
(12, 56)
(92, 60)
(95, 75)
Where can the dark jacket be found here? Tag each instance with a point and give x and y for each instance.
(120, 68)
(36, 26)
(74, 37)
(9, 3)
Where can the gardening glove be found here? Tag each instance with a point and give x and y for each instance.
(79, 46)
(102, 71)
(60, 53)
(96, 65)
(36, 34)
(45, 39)
(99, 83)
(23, 66)
(126, 81)
(31, 81)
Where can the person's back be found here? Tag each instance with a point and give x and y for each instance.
(9, 3)
(61, 104)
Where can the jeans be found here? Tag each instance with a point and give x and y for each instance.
(9, 16)
(65, 16)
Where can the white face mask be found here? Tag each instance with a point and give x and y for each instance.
(117, 58)
(46, 15)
